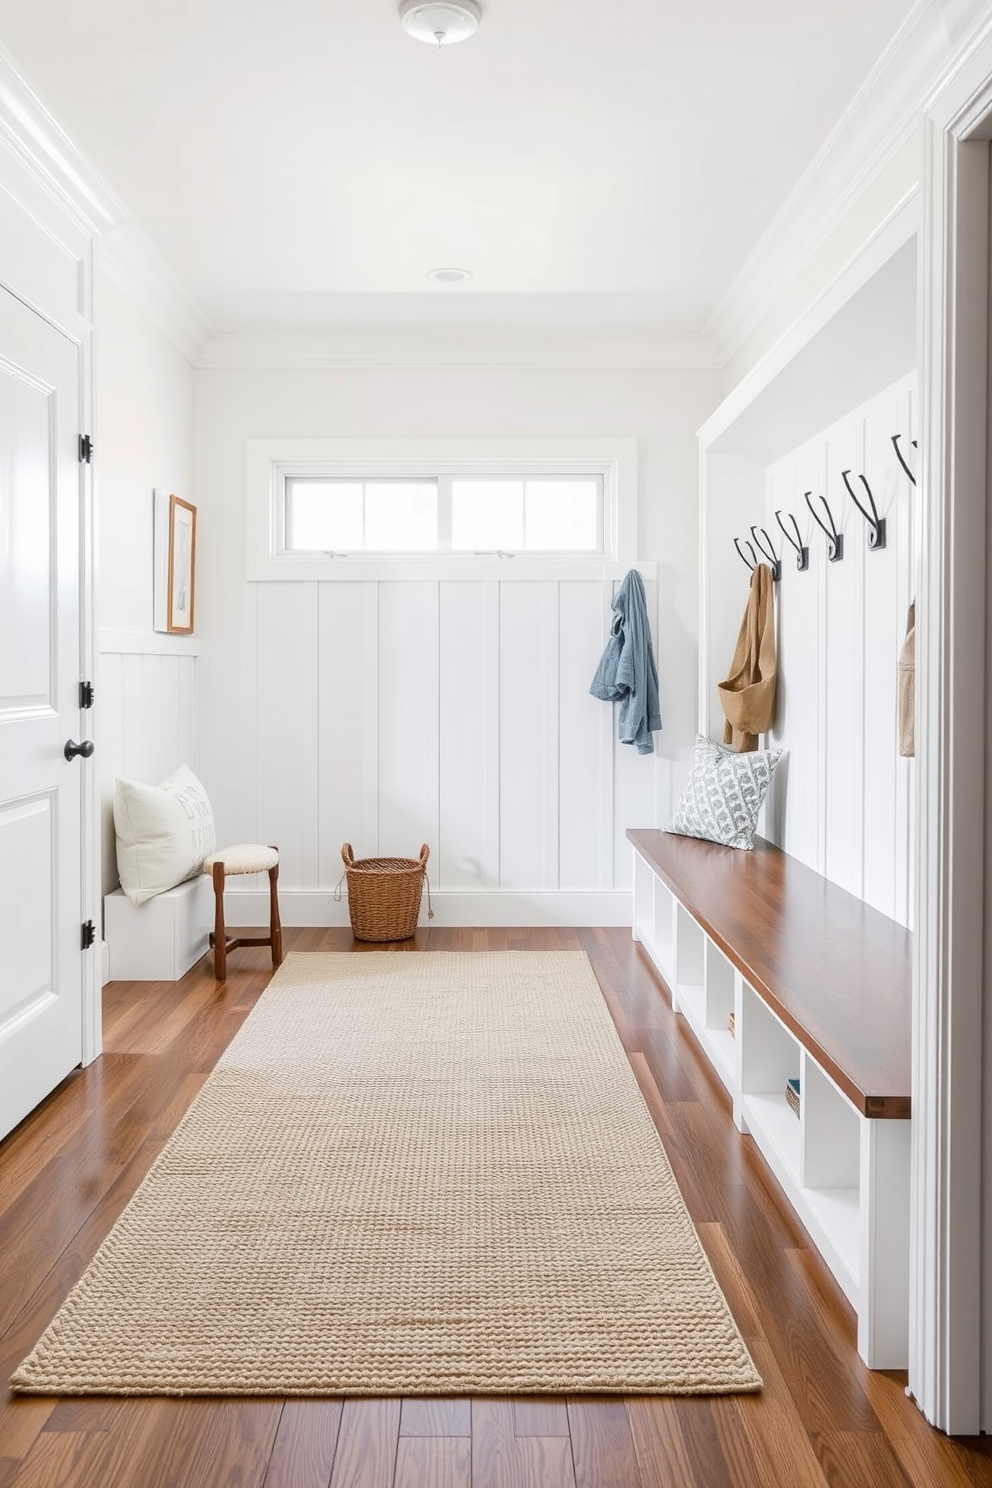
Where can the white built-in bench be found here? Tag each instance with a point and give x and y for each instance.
(161, 939)
(819, 988)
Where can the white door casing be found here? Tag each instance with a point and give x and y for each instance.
(41, 963)
(950, 1311)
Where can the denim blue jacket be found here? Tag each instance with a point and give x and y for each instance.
(627, 673)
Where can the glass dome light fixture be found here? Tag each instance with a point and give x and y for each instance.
(440, 22)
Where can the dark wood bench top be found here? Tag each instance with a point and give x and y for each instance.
(836, 972)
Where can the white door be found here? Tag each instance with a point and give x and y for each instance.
(40, 862)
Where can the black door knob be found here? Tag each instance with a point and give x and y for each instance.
(72, 748)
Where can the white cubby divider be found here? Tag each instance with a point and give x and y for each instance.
(690, 988)
(831, 1174)
(654, 918)
(843, 1163)
(721, 1007)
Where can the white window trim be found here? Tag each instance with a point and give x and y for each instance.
(269, 459)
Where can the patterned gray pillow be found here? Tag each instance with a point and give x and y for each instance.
(723, 794)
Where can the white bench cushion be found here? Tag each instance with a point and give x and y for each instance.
(245, 857)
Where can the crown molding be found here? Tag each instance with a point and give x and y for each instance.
(882, 117)
(958, 16)
(124, 251)
(33, 137)
(468, 347)
(874, 255)
(129, 259)
(967, 54)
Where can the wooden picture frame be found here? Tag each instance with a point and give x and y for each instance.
(180, 588)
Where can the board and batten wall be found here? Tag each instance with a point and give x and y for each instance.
(393, 712)
(842, 801)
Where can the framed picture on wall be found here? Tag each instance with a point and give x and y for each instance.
(182, 565)
(175, 564)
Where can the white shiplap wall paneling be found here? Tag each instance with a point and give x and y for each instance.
(636, 800)
(906, 500)
(187, 709)
(885, 606)
(843, 804)
(906, 840)
(392, 712)
(636, 782)
(811, 470)
(843, 734)
(779, 803)
(368, 782)
(348, 725)
(585, 743)
(733, 497)
(467, 857)
(228, 683)
(286, 787)
(551, 763)
(408, 718)
(528, 773)
(794, 806)
(150, 739)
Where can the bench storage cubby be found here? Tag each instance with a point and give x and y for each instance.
(782, 976)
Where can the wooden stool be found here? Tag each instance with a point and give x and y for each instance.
(247, 857)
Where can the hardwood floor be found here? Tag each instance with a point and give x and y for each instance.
(69, 1169)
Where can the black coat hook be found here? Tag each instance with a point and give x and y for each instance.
(754, 556)
(835, 539)
(802, 551)
(876, 524)
(768, 552)
(899, 455)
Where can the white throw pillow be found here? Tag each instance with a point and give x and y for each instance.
(724, 793)
(164, 832)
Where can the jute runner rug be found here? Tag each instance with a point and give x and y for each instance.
(408, 1175)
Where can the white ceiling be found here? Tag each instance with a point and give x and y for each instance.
(304, 164)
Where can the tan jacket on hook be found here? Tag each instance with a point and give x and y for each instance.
(748, 694)
(907, 687)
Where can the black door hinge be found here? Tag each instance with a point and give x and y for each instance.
(86, 694)
(85, 449)
(89, 935)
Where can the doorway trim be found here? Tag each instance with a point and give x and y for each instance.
(949, 1317)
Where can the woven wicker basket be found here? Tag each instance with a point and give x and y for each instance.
(384, 894)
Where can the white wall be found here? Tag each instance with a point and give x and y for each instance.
(146, 685)
(144, 395)
(286, 701)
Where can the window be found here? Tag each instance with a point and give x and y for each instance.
(543, 515)
(354, 516)
(451, 514)
(440, 508)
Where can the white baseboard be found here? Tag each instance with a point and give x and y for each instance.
(451, 908)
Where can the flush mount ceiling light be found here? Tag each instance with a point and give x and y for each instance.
(440, 22)
(449, 275)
